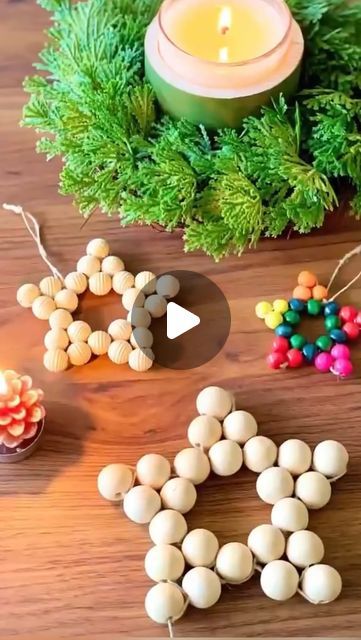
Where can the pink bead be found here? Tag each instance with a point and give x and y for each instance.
(358, 319)
(348, 314)
(323, 362)
(341, 351)
(275, 360)
(342, 367)
(280, 344)
(352, 330)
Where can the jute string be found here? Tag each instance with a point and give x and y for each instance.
(355, 252)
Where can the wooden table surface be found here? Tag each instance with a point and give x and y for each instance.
(71, 564)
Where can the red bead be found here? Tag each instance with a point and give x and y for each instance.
(295, 358)
(275, 360)
(358, 319)
(348, 314)
(352, 330)
(280, 344)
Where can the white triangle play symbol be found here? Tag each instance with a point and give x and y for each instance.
(179, 320)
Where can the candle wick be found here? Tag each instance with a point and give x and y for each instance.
(224, 31)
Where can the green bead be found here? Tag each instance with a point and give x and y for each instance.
(332, 322)
(314, 307)
(324, 343)
(297, 341)
(292, 317)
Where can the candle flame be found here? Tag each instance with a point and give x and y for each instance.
(225, 20)
(223, 54)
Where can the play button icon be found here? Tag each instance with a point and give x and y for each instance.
(179, 320)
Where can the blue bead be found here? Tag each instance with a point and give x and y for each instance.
(296, 305)
(331, 309)
(284, 330)
(337, 335)
(310, 352)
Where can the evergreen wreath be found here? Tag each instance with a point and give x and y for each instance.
(282, 170)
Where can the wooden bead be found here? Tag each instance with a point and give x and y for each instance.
(319, 293)
(304, 548)
(204, 431)
(192, 464)
(76, 282)
(267, 543)
(226, 458)
(307, 279)
(259, 453)
(289, 514)
(66, 299)
(146, 282)
(239, 426)
(168, 527)
(153, 470)
(112, 265)
(141, 359)
(279, 580)
(321, 583)
(156, 305)
(56, 360)
(122, 281)
(27, 294)
(295, 456)
(273, 484)
(43, 307)
(79, 331)
(178, 494)
(99, 342)
(79, 353)
(330, 458)
(56, 339)
(88, 265)
(141, 504)
(99, 248)
(167, 286)
(234, 563)
(141, 338)
(132, 298)
(50, 285)
(119, 351)
(139, 317)
(164, 562)
(313, 489)
(114, 481)
(100, 284)
(202, 586)
(200, 548)
(60, 319)
(120, 329)
(164, 602)
(214, 401)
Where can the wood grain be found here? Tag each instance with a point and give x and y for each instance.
(71, 565)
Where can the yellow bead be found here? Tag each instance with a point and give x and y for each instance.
(262, 309)
(280, 305)
(273, 319)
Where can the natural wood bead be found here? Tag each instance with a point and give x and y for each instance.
(99, 248)
(168, 286)
(122, 281)
(168, 527)
(273, 484)
(99, 342)
(27, 294)
(259, 453)
(153, 470)
(239, 426)
(156, 305)
(100, 284)
(50, 285)
(214, 401)
(164, 563)
(141, 338)
(226, 457)
(66, 299)
(267, 543)
(112, 265)
(88, 265)
(202, 586)
(120, 329)
(179, 494)
(79, 331)
(56, 339)
(60, 319)
(304, 548)
(114, 481)
(204, 431)
(139, 317)
(279, 580)
(295, 456)
(132, 298)
(164, 602)
(234, 563)
(200, 548)
(313, 489)
(192, 464)
(119, 351)
(43, 307)
(56, 360)
(146, 281)
(141, 359)
(141, 504)
(289, 514)
(321, 583)
(79, 353)
(77, 282)
(330, 458)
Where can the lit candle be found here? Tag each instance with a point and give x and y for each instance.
(215, 62)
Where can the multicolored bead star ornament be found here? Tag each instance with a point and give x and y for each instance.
(190, 567)
(290, 348)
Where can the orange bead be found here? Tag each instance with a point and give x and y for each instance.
(319, 292)
(307, 279)
(302, 293)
